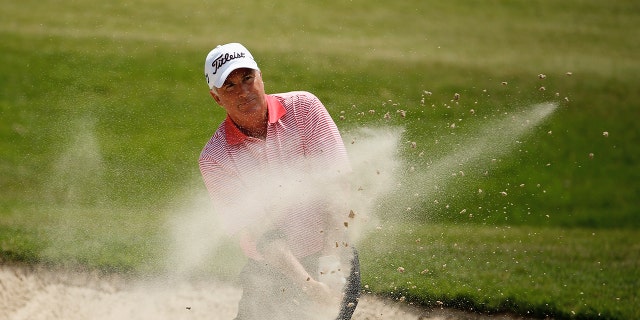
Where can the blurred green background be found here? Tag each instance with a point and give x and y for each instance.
(103, 112)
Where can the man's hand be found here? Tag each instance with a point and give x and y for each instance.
(330, 272)
(320, 292)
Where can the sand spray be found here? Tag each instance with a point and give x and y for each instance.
(195, 246)
(380, 178)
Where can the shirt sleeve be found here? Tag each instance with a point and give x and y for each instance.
(324, 143)
(222, 186)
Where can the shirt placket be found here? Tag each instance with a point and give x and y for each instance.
(257, 149)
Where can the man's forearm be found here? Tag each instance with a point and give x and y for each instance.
(278, 255)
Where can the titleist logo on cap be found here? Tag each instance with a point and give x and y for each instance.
(224, 58)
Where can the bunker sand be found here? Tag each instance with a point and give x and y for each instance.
(33, 292)
(37, 293)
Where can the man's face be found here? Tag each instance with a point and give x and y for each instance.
(242, 93)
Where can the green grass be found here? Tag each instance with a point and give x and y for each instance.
(534, 271)
(103, 111)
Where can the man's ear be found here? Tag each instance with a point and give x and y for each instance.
(214, 96)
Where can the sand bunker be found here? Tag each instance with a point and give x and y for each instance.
(37, 293)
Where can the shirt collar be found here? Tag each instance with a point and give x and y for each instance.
(275, 111)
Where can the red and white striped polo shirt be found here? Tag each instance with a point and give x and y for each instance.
(283, 182)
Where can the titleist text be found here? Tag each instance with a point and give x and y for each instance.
(222, 59)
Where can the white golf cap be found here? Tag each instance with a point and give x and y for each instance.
(222, 60)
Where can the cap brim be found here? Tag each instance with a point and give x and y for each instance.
(233, 66)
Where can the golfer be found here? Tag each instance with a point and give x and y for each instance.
(276, 171)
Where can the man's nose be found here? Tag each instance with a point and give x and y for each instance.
(244, 89)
